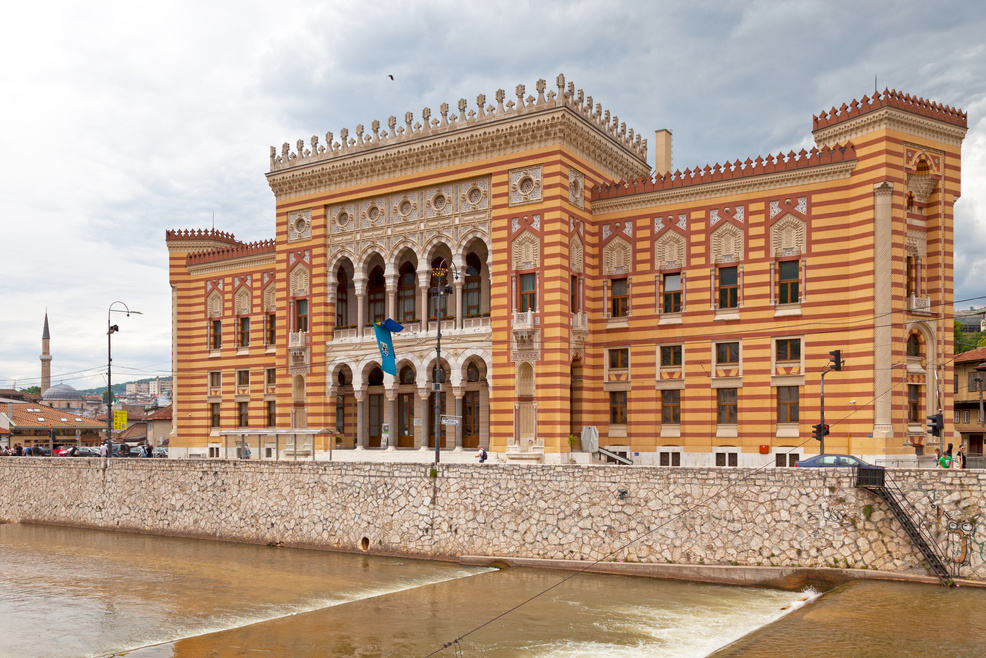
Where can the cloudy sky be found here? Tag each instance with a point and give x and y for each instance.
(121, 119)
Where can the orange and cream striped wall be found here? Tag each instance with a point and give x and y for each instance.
(865, 219)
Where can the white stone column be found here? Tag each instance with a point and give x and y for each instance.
(882, 308)
(422, 432)
(391, 278)
(424, 278)
(359, 286)
(361, 437)
(457, 391)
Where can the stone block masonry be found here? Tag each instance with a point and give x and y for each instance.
(691, 516)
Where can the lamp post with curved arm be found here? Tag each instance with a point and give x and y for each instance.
(110, 330)
(440, 292)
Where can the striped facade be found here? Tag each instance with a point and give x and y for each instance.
(687, 316)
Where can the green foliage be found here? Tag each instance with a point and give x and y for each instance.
(965, 341)
(33, 390)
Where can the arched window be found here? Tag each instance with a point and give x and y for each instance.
(407, 375)
(375, 378)
(406, 289)
(376, 295)
(341, 378)
(472, 372)
(913, 345)
(342, 299)
(472, 291)
(440, 280)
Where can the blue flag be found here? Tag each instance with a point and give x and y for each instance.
(385, 342)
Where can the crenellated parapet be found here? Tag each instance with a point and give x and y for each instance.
(895, 99)
(200, 234)
(240, 250)
(716, 173)
(449, 121)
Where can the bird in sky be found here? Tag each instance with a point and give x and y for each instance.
(390, 76)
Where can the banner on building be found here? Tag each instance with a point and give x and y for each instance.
(120, 419)
(385, 342)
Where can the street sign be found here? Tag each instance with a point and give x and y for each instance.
(451, 420)
(120, 419)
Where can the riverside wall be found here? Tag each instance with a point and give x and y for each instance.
(687, 516)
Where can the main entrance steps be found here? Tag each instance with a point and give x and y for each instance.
(874, 479)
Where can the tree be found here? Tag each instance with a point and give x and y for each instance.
(33, 390)
(963, 341)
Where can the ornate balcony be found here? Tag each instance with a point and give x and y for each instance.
(476, 322)
(297, 339)
(345, 332)
(919, 304)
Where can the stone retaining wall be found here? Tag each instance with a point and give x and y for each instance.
(726, 516)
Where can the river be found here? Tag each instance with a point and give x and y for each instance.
(72, 592)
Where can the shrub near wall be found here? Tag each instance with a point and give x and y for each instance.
(781, 517)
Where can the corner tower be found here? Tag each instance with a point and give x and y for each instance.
(45, 358)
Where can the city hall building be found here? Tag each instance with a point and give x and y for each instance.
(687, 316)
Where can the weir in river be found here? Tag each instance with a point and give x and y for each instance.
(73, 592)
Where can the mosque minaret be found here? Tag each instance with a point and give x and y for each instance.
(45, 358)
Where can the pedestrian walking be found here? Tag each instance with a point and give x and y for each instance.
(481, 455)
(960, 457)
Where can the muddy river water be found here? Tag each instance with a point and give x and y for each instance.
(72, 592)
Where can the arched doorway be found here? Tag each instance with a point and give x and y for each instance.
(299, 415)
(472, 406)
(406, 399)
(374, 410)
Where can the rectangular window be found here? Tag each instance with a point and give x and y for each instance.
(242, 377)
(528, 292)
(216, 334)
(965, 417)
(788, 281)
(271, 376)
(786, 459)
(955, 384)
(619, 359)
(727, 406)
(620, 305)
(213, 452)
(973, 382)
(214, 414)
(788, 404)
(301, 315)
(215, 380)
(671, 355)
(913, 403)
(788, 349)
(575, 294)
(670, 458)
(271, 329)
(271, 414)
(956, 417)
(728, 287)
(727, 353)
(618, 408)
(671, 407)
(726, 459)
(243, 412)
(244, 332)
(672, 293)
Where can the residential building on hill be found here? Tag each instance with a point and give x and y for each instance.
(686, 315)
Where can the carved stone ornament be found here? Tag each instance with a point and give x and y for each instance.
(788, 236)
(343, 217)
(727, 244)
(576, 188)
(525, 185)
(526, 251)
(214, 307)
(243, 303)
(917, 244)
(270, 298)
(300, 225)
(299, 281)
(576, 254)
(617, 257)
(669, 251)
(921, 187)
(439, 201)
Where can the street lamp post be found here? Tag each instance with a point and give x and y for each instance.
(110, 330)
(439, 376)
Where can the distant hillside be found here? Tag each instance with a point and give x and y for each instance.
(118, 389)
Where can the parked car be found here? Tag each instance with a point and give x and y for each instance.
(161, 452)
(833, 461)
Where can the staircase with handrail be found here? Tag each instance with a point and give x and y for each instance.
(875, 480)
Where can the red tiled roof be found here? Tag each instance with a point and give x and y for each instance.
(38, 416)
(161, 414)
(135, 431)
(978, 354)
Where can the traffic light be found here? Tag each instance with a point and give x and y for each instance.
(835, 358)
(819, 431)
(936, 424)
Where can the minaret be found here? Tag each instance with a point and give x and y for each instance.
(45, 358)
